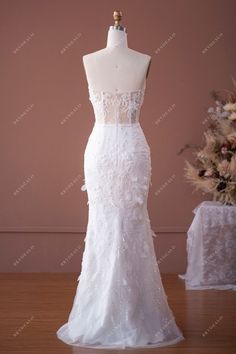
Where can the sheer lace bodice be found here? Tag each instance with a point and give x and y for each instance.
(118, 107)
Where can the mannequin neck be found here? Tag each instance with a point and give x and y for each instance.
(116, 38)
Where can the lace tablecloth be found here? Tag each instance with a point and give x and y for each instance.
(211, 247)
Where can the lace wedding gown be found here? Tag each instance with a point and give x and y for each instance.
(120, 301)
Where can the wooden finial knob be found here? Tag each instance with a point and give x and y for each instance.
(117, 15)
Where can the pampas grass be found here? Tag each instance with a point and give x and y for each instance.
(214, 168)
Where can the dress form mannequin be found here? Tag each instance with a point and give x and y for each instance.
(120, 300)
(116, 68)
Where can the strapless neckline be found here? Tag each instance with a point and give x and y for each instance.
(91, 89)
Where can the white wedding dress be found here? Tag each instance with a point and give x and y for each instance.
(120, 301)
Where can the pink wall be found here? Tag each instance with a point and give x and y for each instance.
(46, 116)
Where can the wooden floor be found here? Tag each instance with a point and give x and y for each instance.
(33, 306)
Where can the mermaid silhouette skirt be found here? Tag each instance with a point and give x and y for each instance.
(120, 301)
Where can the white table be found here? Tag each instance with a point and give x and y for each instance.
(211, 248)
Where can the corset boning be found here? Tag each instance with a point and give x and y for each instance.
(116, 108)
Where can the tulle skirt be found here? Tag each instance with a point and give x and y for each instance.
(120, 301)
